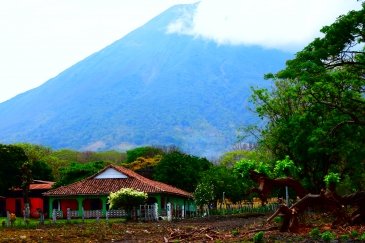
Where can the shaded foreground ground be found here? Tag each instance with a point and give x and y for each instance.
(215, 229)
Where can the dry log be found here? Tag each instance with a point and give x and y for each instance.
(357, 200)
(326, 200)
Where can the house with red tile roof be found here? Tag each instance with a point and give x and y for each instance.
(14, 199)
(92, 193)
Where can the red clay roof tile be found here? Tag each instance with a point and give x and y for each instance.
(92, 186)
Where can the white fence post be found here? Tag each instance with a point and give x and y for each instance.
(41, 217)
(83, 214)
(68, 214)
(54, 217)
(183, 211)
(169, 212)
(27, 211)
(7, 218)
(155, 212)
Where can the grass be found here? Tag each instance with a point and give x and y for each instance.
(246, 209)
(35, 223)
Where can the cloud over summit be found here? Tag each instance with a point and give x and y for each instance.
(284, 24)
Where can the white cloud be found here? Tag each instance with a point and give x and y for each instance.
(283, 24)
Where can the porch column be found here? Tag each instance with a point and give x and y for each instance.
(50, 206)
(79, 204)
(104, 201)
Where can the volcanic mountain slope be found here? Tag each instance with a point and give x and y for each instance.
(152, 87)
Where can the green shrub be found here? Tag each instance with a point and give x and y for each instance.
(258, 237)
(234, 232)
(328, 236)
(278, 219)
(362, 237)
(332, 179)
(315, 233)
(344, 237)
(354, 234)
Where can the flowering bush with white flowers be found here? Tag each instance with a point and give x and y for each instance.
(126, 198)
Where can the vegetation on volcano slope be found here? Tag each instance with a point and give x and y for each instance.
(316, 110)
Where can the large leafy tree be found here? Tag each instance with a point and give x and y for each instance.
(144, 166)
(242, 170)
(316, 111)
(181, 170)
(146, 152)
(12, 159)
(77, 171)
(230, 158)
(216, 183)
(39, 158)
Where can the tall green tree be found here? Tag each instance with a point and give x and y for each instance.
(242, 169)
(285, 168)
(77, 171)
(41, 171)
(316, 111)
(39, 158)
(146, 152)
(12, 159)
(181, 170)
(216, 183)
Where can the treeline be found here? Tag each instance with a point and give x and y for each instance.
(210, 182)
(23, 162)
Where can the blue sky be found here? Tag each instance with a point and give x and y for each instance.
(41, 38)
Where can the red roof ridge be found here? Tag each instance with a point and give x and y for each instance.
(42, 182)
(92, 185)
(157, 184)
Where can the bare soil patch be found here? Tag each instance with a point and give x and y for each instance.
(236, 228)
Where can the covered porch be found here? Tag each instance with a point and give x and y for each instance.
(82, 203)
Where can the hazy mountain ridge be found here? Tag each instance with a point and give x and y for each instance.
(149, 87)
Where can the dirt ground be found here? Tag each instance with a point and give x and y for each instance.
(239, 228)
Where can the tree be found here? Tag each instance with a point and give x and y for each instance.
(316, 111)
(37, 156)
(33, 168)
(228, 159)
(146, 152)
(41, 171)
(11, 160)
(76, 171)
(215, 183)
(285, 168)
(144, 166)
(331, 180)
(181, 170)
(204, 194)
(243, 170)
